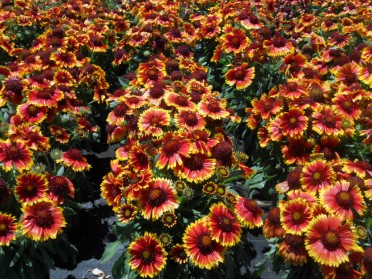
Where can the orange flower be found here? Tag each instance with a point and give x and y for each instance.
(267, 106)
(153, 120)
(189, 120)
(126, 212)
(241, 76)
(278, 46)
(292, 249)
(327, 122)
(59, 187)
(272, 226)
(297, 151)
(45, 97)
(213, 108)
(234, 40)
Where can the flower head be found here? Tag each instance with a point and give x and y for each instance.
(8, 227)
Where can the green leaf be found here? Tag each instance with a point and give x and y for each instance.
(110, 251)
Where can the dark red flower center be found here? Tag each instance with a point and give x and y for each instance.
(156, 197)
(294, 240)
(120, 110)
(350, 78)
(205, 243)
(367, 257)
(147, 256)
(14, 153)
(42, 217)
(235, 41)
(142, 159)
(253, 19)
(171, 147)
(223, 151)
(251, 206)
(214, 107)
(328, 22)
(331, 239)
(156, 91)
(278, 42)
(294, 179)
(58, 185)
(13, 84)
(274, 216)
(344, 199)
(74, 154)
(181, 101)
(329, 121)
(45, 94)
(292, 86)
(225, 224)
(33, 136)
(137, 37)
(32, 110)
(194, 163)
(152, 74)
(190, 118)
(96, 41)
(239, 74)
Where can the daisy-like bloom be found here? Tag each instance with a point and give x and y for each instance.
(360, 168)
(15, 154)
(173, 147)
(74, 159)
(63, 77)
(328, 240)
(203, 251)
(292, 249)
(266, 106)
(203, 142)
(365, 74)
(348, 74)
(31, 113)
(30, 187)
(213, 108)
(224, 227)
(153, 120)
(241, 76)
(327, 121)
(249, 21)
(64, 59)
(248, 213)
(41, 220)
(317, 175)
(293, 123)
(209, 188)
(295, 215)
(342, 199)
(44, 97)
(111, 189)
(178, 254)
(158, 198)
(293, 63)
(292, 89)
(138, 159)
(278, 46)
(305, 195)
(234, 40)
(126, 212)
(60, 134)
(338, 40)
(179, 101)
(223, 152)
(189, 120)
(169, 219)
(147, 255)
(346, 107)
(115, 133)
(297, 151)
(272, 226)
(196, 168)
(117, 115)
(8, 228)
(59, 188)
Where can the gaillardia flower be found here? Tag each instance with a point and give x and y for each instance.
(292, 249)
(178, 254)
(30, 187)
(158, 198)
(15, 155)
(196, 168)
(74, 159)
(295, 215)
(152, 121)
(293, 123)
(241, 76)
(224, 227)
(342, 199)
(317, 175)
(328, 240)
(147, 255)
(248, 213)
(41, 220)
(8, 227)
(203, 251)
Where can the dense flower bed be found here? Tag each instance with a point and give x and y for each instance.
(211, 106)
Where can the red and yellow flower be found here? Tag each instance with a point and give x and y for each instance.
(342, 199)
(41, 220)
(8, 228)
(295, 215)
(234, 39)
(30, 187)
(293, 123)
(147, 255)
(203, 251)
(153, 121)
(196, 168)
(158, 198)
(328, 240)
(317, 175)
(248, 213)
(224, 227)
(74, 159)
(241, 76)
(15, 155)
(178, 254)
(292, 249)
